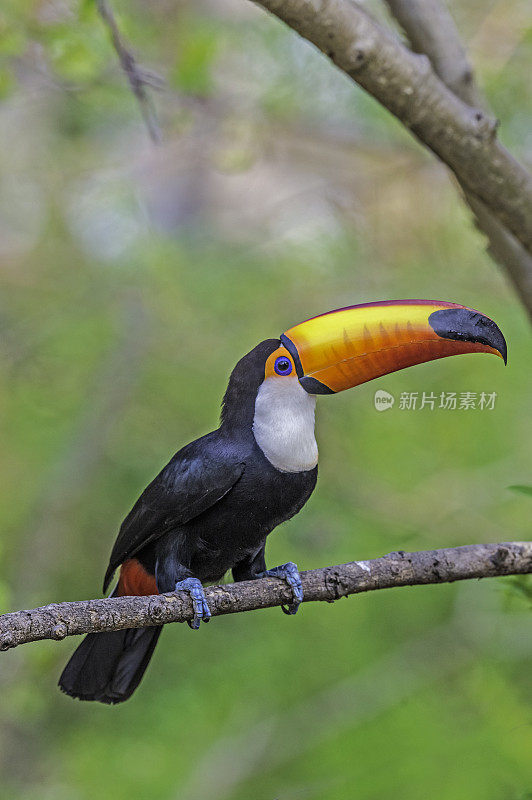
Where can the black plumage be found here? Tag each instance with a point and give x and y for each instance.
(207, 512)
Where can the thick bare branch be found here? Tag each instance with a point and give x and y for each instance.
(431, 30)
(405, 83)
(59, 620)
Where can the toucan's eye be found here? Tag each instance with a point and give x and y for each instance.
(283, 366)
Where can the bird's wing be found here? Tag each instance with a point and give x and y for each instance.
(191, 483)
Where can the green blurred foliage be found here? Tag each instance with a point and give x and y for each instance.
(520, 586)
(522, 489)
(133, 278)
(197, 46)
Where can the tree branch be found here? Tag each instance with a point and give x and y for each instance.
(404, 82)
(59, 620)
(431, 30)
(138, 78)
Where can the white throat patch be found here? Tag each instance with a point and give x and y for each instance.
(283, 424)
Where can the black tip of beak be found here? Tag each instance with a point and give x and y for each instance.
(465, 325)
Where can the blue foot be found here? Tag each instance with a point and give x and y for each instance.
(201, 609)
(289, 573)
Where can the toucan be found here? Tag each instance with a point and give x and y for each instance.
(213, 505)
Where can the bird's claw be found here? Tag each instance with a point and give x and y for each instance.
(202, 611)
(289, 573)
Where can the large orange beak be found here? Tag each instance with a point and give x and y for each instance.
(352, 345)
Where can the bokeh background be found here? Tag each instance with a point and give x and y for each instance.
(133, 278)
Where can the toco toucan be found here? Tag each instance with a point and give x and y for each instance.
(213, 505)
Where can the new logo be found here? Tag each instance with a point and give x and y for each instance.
(383, 400)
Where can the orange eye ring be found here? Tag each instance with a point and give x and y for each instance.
(279, 364)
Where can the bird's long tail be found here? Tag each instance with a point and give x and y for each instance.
(109, 666)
